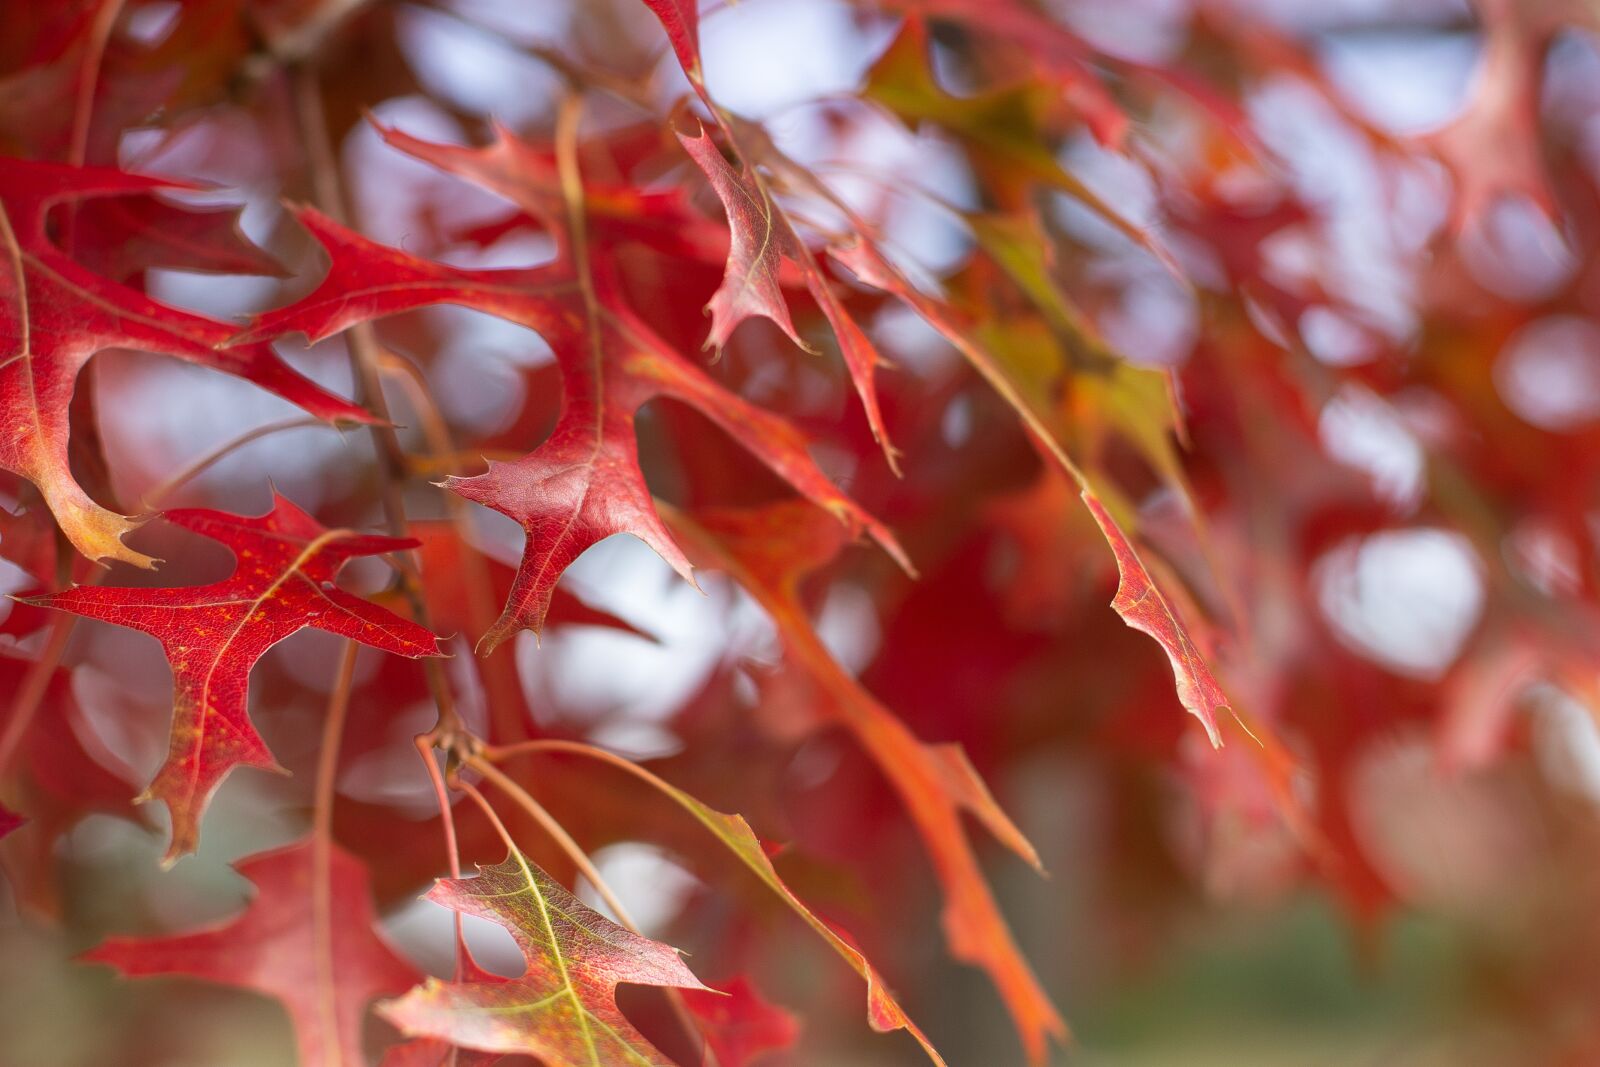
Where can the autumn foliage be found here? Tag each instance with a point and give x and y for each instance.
(1098, 474)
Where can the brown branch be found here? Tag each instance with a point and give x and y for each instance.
(364, 361)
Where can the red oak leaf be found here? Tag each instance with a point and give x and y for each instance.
(763, 243)
(56, 314)
(681, 20)
(740, 1026)
(9, 821)
(763, 239)
(562, 1009)
(307, 939)
(583, 483)
(213, 634)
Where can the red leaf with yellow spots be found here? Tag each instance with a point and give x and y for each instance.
(213, 634)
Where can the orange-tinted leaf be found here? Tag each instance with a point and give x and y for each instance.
(1143, 607)
(768, 551)
(884, 1013)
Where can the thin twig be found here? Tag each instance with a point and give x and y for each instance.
(153, 497)
(364, 359)
(322, 848)
(558, 833)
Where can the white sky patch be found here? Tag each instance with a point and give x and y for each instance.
(650, 884)
(1360, 429)
(625, 688)
(1407, 599)
(761, 56)
(848, 626)
(1549, 373)
(1566, 742)
(1403, 82)
(471, 69)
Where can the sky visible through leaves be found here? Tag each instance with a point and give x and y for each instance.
(822, 532)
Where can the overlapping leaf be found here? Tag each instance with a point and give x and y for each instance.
(583, 483)
(121, 236)
(55, 315)
(213, 634)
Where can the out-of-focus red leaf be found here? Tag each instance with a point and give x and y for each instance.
(1494, 149)
(308, 939)
(66, 774)
(739, 1026)
(121, 236)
